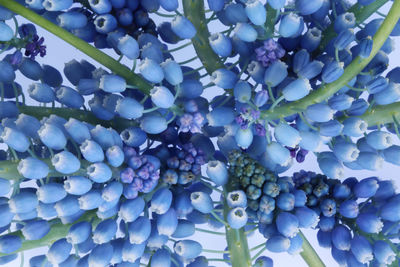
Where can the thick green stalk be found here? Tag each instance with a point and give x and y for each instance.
(269, 25)
(309, 254)
(118, 124)
(96, 54)
(360, 12)
(382, 114)
(57, 231)
(194, 11)
(236, 238)
(350, 72)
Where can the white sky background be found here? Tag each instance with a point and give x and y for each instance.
(58, 53)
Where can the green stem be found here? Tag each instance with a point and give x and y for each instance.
(361, 13)
(57, 232)
(269, 25)
(350, 72)
(309, 254)
(382, 114)
(236, 238)
(118, 124)
(194, 11)
(80, 44)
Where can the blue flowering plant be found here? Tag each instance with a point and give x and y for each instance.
(118, 159)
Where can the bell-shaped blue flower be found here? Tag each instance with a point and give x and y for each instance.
(59, 251)
(221, 44)
(224, 78)
(172, 72)
(23, 202)
(297, 89)
(275, 73)
(153, 124)
(79, 232)
(6, 33)
(167, 222)
(131, 209)
(279, 154)
(9, 243)
(278, 243)
(307, 217)
(256, 12)
(332, 71)
(65, 162)
(161, 200)
(361, 249)
(36, 229)
(52, 136)
(237, 218)
(331, 167)
(287, 135)
(162, 97)
(379, 140)
(151, 71)
(369, 223)
(383, 252)
(77, 185)
(128, 46)
(244, 137)
(188, 249)
(308, 7)
(92, 151)
(341, 237)
(77, 130)
(51, 192)
(183, 27)
(237, 198)
(245, 32)
(289, 25)
(101, 255)
(319, 112)
(354, 127)
(105, 231)
(217, 172)
(345, 151)
(67, 206)
(287, 224)
(139, 230)
(389, 95)
(201, 202)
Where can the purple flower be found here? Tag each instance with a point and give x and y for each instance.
(170, 177)
(260, 129)
(143, 173)
(127, 175)
(16, 58)
(191, 123)
(301, 155)
(35, 47)
(243, 123)
(270, 51)
(137, 184)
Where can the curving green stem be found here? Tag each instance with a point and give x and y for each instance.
(194, 11)
(118, 124)
(356, 66)
(360, 12)
(104, 59)
(309, 254)
(382, 114)
(57, 231)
